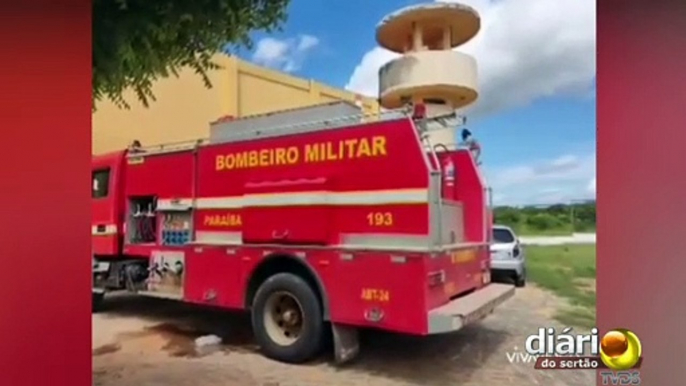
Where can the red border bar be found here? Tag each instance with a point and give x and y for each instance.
(642, 179)
(44, 166)
(45, 73)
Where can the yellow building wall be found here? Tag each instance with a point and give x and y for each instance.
(184, 107)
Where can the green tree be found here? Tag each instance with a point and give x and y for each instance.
(507, 216)
(558, 209)
(543, 221)
(585, 216)
(136, 42)
(553, 218)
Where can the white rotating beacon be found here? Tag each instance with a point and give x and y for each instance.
(429, 72)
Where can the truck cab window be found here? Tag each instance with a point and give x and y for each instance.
(101, 182)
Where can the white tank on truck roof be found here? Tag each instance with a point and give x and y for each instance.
(429, 71)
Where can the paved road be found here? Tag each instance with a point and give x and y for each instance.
(576, 238)
(148, 342)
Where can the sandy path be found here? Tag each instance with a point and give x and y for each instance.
(140, 341)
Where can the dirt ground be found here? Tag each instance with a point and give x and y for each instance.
(140, 341)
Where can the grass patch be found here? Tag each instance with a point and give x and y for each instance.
(526, 231)
(564, 230)
(577, 317)
(569, 271)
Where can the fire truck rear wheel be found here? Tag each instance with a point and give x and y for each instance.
(287, 319)
(98, 299)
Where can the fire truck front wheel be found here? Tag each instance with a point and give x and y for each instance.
(287, 319)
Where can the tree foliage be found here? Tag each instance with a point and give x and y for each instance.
(561, 218)
(136, 42)
(543, 221)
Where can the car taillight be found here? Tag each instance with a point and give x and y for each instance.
(516, 251)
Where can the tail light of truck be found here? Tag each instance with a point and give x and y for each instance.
(436, 278)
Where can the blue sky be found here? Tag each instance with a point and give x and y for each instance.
(536, 114)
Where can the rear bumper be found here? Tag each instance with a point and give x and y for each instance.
(511, 265)
(468, 309)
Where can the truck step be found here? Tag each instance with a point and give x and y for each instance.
(468, 309)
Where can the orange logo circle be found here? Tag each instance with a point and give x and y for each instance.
(620, 349)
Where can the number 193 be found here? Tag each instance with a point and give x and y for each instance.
(380, 219)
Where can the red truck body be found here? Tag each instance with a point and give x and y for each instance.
(363, 213)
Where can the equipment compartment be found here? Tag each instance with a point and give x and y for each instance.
(300, 215)
(141, 222)
(176, 227)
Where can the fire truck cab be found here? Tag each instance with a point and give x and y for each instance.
(315, 226)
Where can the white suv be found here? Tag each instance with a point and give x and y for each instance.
(507, 256)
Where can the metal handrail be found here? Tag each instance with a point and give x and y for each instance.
(165, 148)
(381, 115)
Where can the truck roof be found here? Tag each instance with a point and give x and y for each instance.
(107, 159)
(110, 156)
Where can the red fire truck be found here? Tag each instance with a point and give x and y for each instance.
(316, 221)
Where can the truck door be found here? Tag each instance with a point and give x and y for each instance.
(105, 205)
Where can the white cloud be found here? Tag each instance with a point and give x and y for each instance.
(365, 77)
(526, 50)
(591, 186)
(307, 42)
(284, 54)
(559, 180)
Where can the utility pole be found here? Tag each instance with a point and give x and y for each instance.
(572, 214)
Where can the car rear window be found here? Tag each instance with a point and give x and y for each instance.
(503, 236)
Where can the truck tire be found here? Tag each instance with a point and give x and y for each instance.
(287, 319)
(98, 299)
